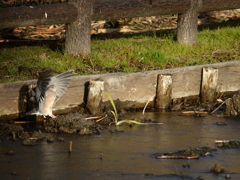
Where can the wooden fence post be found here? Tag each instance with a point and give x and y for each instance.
(94, 100)
(209, 85)
(164, 91)
(188, 24)
(78, 33)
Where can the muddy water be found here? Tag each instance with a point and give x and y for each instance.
(128, 154)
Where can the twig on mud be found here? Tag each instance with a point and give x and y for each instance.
(101, 119)
(14, 135)
(222, 141)
(217, 107)
(194, 112)
(146, 105)
(22, 122)
(70, 147)
(87, 118)
(177, 157)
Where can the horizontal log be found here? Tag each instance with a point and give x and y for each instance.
(128, 90)
(59, 13)
(63, 13)
(115, 9)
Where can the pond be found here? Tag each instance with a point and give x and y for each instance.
(128, 153)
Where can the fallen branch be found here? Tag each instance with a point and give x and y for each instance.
(177, 157)
(89, 118)
(217, 107)
(22, 122)
(146, 105)
(101, 119)
(194, 112)
(70, 147)
(222, 141)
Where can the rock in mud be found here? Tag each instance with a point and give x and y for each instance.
(50, 139)
(14, 173)
(71, 123)
(11, 152)
(38, 135)
(230, 110)
(217, 169)
(29, 142)
(233, 105)
(227, 176)
(236, 102)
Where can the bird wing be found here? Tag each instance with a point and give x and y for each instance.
(61, 83)
(42, 84)
(46, 104)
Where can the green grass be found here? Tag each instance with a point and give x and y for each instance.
(125, 53)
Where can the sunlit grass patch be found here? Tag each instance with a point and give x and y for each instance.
(127, 53)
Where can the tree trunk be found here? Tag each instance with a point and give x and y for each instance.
(78, 33)
(187, 24)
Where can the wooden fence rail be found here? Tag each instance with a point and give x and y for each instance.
(129, 90)
(79, 13)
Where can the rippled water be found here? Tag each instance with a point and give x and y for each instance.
(128, 154)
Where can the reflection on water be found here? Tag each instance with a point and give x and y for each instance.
(128, 154)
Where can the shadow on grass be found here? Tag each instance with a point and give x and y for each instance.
(54, 45)
(167, 32)
(58, 45)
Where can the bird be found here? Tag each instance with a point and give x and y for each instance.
(49, 89)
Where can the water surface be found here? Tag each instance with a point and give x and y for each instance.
(128, 154)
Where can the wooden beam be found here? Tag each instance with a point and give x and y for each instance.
(63, 13)
(59, 13)
(164, 91)
(115, 9)
(127, 90)
(94, 100)
(209, 84)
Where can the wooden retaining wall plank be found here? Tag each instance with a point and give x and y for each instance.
(134, 89)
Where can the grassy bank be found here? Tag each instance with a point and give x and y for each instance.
(122, 53)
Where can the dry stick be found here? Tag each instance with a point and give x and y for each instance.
(87, 118)
(22, 122)
(218, 107)
(222, 141)
(194, 112)
(177, 157)
(70, 147)
(101, 119)
(14, 135)
(146, 105)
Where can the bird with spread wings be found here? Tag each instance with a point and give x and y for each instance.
(48, 91)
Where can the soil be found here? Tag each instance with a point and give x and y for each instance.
(10, 129)
(72, 123)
